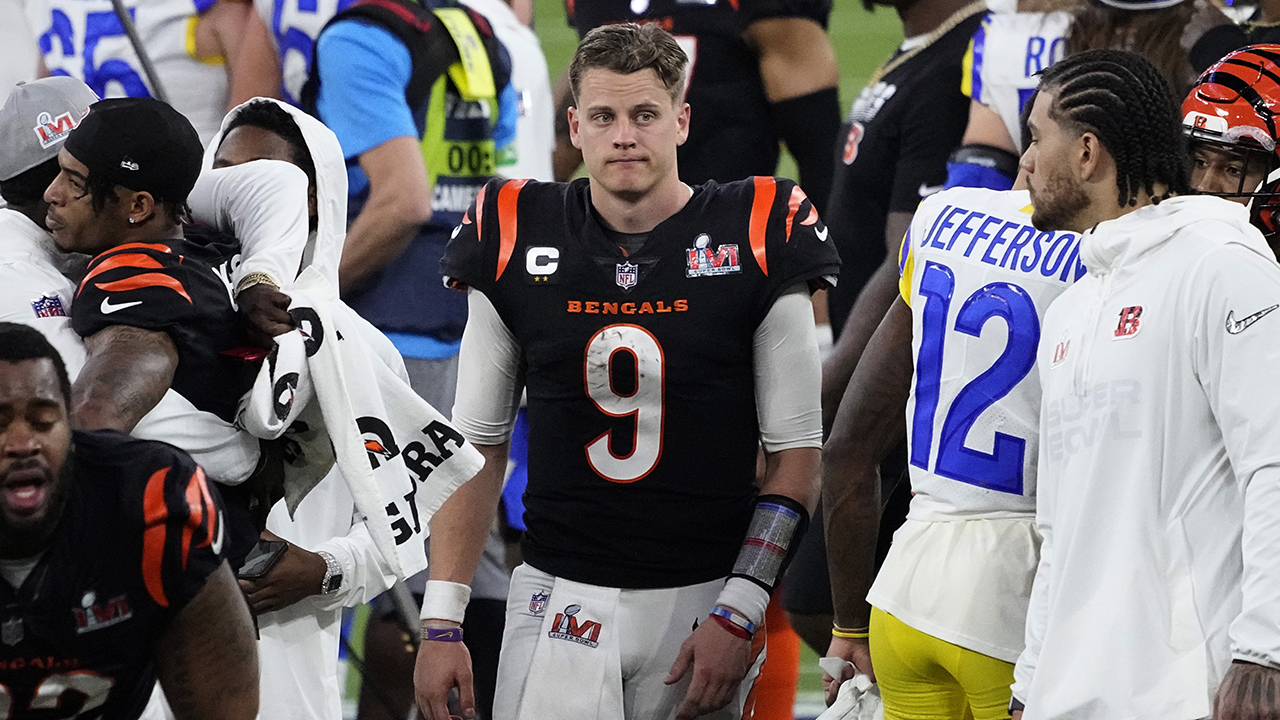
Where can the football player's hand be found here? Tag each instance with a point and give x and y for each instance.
(856, 651)
(719, 660)
(440, 667)
(267, 310)
(1016, 715)
(298, 574)
(1248, 692)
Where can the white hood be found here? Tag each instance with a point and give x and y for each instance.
(324, 249)
(1126, 240)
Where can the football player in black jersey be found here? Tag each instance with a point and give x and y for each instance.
(154, 307)
(663, 333)
(111, 553)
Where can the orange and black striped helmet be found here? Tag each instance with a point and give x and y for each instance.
(1237, 100)
(1236, 103)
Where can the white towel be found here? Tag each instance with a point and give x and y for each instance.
(857, 699)
(400, 457)
(578, 640)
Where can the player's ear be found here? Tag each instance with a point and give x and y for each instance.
(138, 206)
(1087, 154)
(574, 118)
(682, 118)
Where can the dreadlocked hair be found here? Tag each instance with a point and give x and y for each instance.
(1123, 99)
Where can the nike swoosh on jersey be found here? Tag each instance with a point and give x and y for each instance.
(216, 546)
(1235, 327)
(107, 308)
(822, 234)
(927, 190)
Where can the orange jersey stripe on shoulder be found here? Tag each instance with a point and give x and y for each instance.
(480, 212)
(155, 515)
(508, 196)
(135, 260)
(201, 506)
(761, 205)
(793, 206)
(137, 246)
(145, 280)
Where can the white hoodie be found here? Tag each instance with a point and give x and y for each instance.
(1159, 479)
(298, 645)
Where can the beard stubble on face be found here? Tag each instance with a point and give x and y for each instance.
(27, 537)
(1059, 204)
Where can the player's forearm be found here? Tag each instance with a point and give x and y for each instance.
(252, 65)
(126, 373)
(379, 234)
(870, 422)
(859, 326)
(794, 473)
(207, 659)
(459, 528)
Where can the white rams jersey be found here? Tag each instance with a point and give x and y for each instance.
(85, 39)
(295, 25)
(1004, 57)
(978, 278)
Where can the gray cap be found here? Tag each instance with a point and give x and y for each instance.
(37, 118)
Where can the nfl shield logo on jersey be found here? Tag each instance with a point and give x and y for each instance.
(628, 274)
(48, 306)
(538, 603)
(11, 631)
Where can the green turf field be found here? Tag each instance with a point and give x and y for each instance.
(862, 41)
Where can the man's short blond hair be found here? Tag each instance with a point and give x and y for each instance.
(627, 48)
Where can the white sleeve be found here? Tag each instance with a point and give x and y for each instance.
(264, 204)
(227, 455)
(365, 573)
(489, 382)
(788, 374)
(1038, 606)
(1237, 371)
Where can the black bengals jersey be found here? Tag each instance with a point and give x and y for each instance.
(182, 288)
(638, 368)
(731, 130)
(893, 152)
(140, 534)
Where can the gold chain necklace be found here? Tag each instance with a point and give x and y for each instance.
(947, 26)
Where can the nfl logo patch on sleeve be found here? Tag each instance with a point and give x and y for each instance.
(48, 306)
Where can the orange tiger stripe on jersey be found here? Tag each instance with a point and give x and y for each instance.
(135, 260)
(761, 205)
(145, 280)
(201, 506)
(155, 514)
(793, 206)
(479, 212)
(137, 246)
(507, 199)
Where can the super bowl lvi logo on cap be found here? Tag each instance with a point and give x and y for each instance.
(51, 130)
(37, 118)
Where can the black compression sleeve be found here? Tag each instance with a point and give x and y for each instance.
(809, 125)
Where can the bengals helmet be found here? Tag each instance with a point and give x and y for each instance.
(1230, 118)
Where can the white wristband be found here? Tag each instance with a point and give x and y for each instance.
(746, 597)
(444, 600)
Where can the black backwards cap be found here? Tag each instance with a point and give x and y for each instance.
(140, 143)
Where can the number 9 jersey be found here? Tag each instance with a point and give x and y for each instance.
(978, 277)
(639, 367)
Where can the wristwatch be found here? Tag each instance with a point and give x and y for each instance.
(332, 574)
